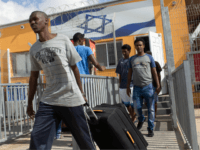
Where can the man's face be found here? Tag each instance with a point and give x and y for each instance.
(38, 22)
(125, 53)
(139, 46)
(81, 41)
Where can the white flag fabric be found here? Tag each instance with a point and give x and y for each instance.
(130, 19)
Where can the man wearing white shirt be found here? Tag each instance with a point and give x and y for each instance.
(63, 97)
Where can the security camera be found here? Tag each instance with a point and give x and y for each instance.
(22, 27)
(173, 3)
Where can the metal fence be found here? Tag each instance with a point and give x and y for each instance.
(184, 103)
(185, 35)
(100, 89)
(181, 33)
(14, 120)
(194, 60)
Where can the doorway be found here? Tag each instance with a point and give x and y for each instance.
(146, 39)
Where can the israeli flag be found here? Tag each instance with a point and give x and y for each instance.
(128, 19)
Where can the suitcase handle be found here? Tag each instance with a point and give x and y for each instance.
(131, 138)
(129, 135)
(98, 111)
(95, 116)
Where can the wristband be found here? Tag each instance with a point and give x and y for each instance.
(83, 94)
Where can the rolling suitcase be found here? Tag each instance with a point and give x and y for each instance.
(112, 128)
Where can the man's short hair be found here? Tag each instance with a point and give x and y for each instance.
(41, 12)
(139, 39)
(126, 46)
(77, 36)
(149, 52)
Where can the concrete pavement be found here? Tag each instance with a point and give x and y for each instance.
(22, 143)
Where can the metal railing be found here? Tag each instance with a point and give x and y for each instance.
(184, 104)
(100, 89)
(195, 41)
(14, 120)
(194, 60)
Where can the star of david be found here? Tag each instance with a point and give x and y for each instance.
(99, 29)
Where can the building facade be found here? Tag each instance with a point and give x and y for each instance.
(105, 24)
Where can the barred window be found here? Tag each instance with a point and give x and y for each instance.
(21, 64)
(106, 55)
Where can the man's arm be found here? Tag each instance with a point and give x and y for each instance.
(159, 78)
(96, 63)
(128, 90)
(118, 71)
(32, 90)
(155, 77)
(120, 79)
(158, 69)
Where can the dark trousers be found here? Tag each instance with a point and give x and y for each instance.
(47, 120)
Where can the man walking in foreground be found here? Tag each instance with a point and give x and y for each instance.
(63, 97)
(142, 67)
(122, 69)
(86, 54)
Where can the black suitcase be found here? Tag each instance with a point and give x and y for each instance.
(113, 128)
(123, 108)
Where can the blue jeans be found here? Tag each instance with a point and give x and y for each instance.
(127, 104)
(147, 93)
(59, 130)
(155, 95)
(48, 118)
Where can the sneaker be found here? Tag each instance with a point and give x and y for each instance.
(58, 136)
(140, 124)
(150, 133)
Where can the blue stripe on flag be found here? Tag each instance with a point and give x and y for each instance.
(127, 30)
(66, 17)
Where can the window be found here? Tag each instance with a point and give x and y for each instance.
(106, 54)
(21, 64)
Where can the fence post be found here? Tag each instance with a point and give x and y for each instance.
(116, 82)
(114, 39)
(190, 104)
(8, 63)
(1, 111)
(170, 58)
(109, 90)
(167, 35)
(114, 91)
(0, 65)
